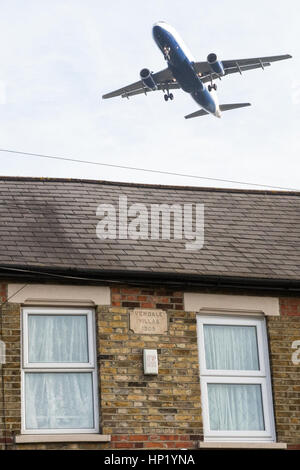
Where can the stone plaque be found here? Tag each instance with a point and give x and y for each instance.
(148, 321)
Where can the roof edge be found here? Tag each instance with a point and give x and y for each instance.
(151, 185)
(176, 280)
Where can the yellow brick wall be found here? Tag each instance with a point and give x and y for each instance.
(132, 402)
(283, 331)
(161, 411)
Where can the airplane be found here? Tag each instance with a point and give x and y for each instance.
(183, 72)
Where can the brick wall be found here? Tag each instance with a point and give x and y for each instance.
(149, 411)
(10, 372)
(3, 292)
(283, 331)
(138, 411)
(155, 441)
(130, 297)
(161, 411)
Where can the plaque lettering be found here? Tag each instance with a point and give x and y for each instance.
(148, 321)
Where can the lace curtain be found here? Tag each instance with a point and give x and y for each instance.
(63, 399)
(57, 338)
(59, 400)
(231, 347)
(233, 407)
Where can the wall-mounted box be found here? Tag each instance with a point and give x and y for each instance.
(150, 362)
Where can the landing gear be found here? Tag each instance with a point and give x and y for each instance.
(166, 51)
(166, 90)
(211, 87)
(169, 96)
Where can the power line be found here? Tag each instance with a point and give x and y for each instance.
(54, 275)
(148, 170)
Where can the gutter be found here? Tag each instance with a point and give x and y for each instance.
(179, 281)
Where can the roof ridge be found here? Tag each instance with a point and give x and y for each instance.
(149, 185)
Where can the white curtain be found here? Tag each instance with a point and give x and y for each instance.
(58, 400)
(230, 347)
(57, 338)
(235, 407)
(62, 400)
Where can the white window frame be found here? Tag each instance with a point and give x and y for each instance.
(260, 377)
(89, 367)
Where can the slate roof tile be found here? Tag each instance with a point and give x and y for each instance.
(52, 223)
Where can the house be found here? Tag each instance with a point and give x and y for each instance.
(126, 324)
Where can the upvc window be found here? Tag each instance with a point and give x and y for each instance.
(235, 379)
(59, 377)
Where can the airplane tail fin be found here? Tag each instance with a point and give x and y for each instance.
(223, 107)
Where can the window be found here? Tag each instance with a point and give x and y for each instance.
(235, 379)
(59, 378)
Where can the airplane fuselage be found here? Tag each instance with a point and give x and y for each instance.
(181, 64)
(195, 78)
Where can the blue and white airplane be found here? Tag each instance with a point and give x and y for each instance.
(183, 72)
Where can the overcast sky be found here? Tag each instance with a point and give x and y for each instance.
(57, 58)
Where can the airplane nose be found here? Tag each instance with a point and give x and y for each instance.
(156, 30)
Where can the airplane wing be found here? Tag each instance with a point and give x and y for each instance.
(237, 66)
(164, 79)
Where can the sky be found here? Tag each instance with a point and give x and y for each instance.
(58, 57)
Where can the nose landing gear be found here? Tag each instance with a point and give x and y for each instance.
(166, 51)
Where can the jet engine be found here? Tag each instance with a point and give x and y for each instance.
(215, 64)
(147, 79)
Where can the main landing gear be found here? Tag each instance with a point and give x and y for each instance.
(168, 96)
(210, 87)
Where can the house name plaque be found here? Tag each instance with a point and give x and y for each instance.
(148, 321)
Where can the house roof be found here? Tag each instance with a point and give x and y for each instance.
(52, 223)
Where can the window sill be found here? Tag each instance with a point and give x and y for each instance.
(42, 438)
(242, 445)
